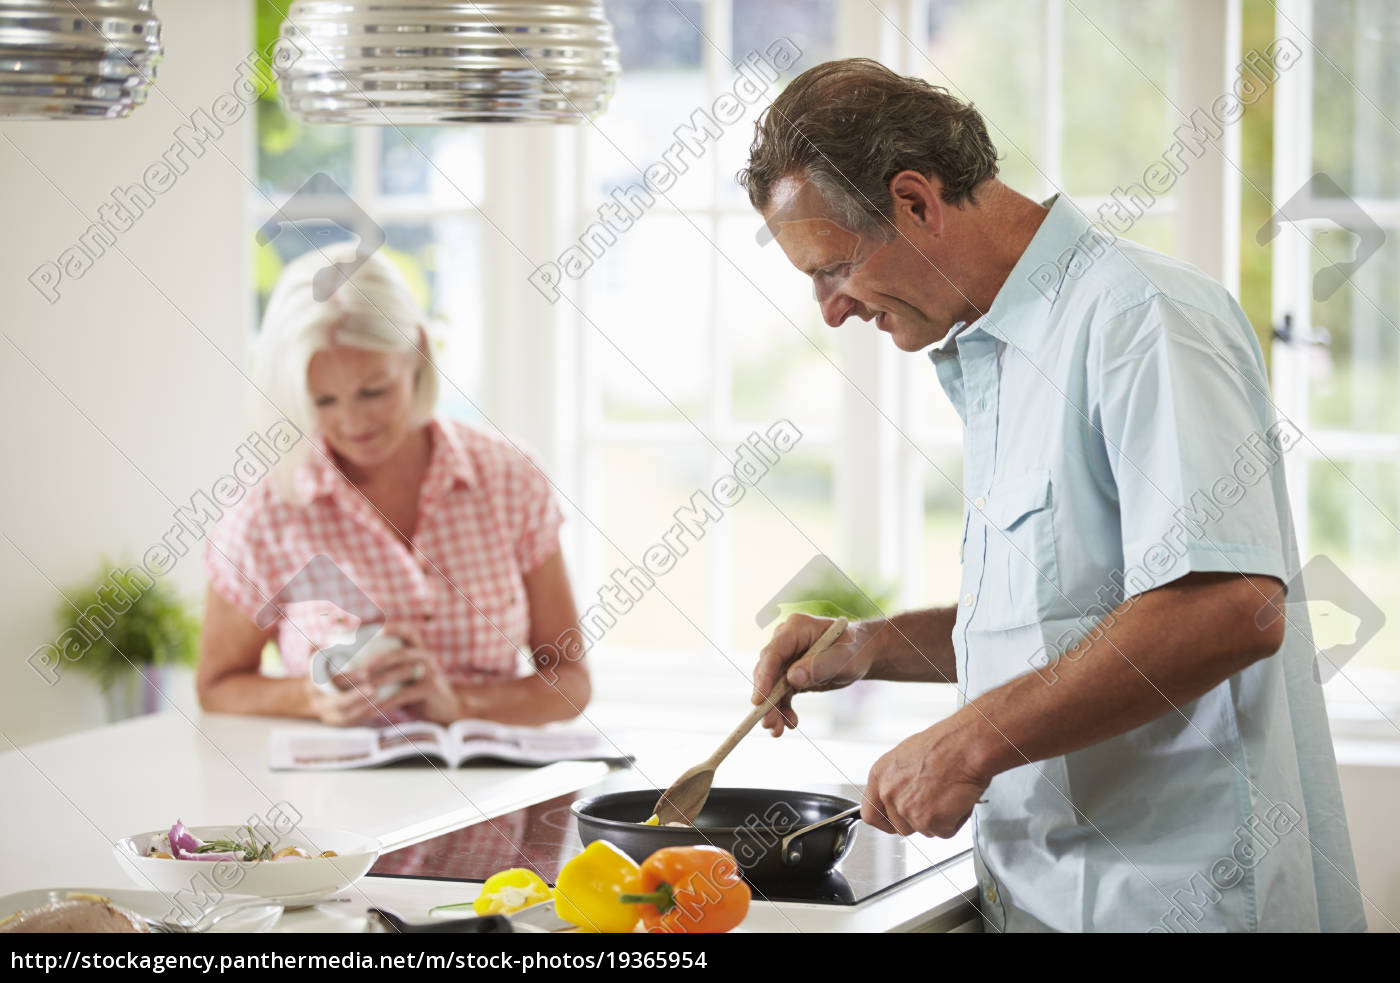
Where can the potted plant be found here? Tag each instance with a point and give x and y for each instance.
(134, 630)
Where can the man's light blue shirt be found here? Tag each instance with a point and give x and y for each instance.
(1118, 434)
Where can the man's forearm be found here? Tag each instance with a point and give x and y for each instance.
(916, 646)
(1154, 653)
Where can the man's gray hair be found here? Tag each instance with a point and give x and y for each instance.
(850, 126)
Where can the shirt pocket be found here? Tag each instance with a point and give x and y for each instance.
(1022, 579)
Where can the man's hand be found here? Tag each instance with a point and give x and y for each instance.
(847, 659)
(924, 784)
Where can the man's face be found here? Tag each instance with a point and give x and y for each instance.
(888, 280)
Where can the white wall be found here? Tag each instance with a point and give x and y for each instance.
(119, 344)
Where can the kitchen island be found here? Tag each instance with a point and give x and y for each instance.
(70, 798)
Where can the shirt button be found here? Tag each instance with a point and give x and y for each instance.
(980, 502)
(968, 598)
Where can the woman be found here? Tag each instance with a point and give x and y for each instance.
(424, 531)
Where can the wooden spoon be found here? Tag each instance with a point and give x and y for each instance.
(682, 802)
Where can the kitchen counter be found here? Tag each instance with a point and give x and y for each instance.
(72, 797)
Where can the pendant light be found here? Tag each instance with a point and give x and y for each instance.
(76, 59)
(409, 62)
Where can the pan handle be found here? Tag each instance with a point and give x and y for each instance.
(791, 844)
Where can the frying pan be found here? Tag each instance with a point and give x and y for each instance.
(757, 825)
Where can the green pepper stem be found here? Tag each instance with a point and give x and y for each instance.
(664, 898)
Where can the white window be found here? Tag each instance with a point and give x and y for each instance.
(1336, 295)
(678, 336)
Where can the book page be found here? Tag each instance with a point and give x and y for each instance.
(466, 730)
(414, 737)
(322, 748)
(353, 747)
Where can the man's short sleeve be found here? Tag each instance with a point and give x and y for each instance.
(1192, 441)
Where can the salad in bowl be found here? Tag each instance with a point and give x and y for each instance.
(299, 866)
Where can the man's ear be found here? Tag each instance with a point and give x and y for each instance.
(918, 199)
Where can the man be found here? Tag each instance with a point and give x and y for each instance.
(1141, 743)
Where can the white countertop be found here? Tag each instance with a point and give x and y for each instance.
(70, 798)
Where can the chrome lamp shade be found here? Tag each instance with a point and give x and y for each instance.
(410, 62)
(76, 59)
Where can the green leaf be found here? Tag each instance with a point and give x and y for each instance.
(817, 609)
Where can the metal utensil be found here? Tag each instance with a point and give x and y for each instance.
(384, 920)
(685, 798)
(204, 922)
(792, 842)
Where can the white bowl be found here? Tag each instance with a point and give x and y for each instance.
(291, 881)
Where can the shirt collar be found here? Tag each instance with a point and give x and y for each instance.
(1018, 314)
(450, 462)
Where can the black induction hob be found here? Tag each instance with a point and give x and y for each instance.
(544, 837)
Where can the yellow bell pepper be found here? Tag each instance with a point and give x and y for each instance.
(587, 891)
(510, 890)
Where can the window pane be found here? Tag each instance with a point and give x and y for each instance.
(1356, 87)
(1113, 132)
(662, 84)
(291, 242)
(441, 162)
(808, 27)
(441, 261)
(639, 488)
(809, 24)
(931, 412)
(1352, 383)
(782, 356)
(1156, 229)
(656, 34)
(942, 541)
(1007, 88)
(289, 152)
(779, 525)
(649, 294)
(1354, 515)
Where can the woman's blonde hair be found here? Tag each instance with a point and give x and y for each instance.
(373, 308)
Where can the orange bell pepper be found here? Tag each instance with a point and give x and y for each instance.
(690, 889)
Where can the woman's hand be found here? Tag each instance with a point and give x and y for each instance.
(426, 692)
(348, 705)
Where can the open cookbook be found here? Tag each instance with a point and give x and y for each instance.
(325, 749)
